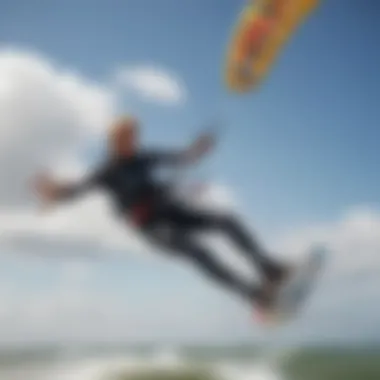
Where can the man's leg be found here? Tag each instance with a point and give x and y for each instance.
(249, 245)
(181, 242)
(274, 273)
(199, 220)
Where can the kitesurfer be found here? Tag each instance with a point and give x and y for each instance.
(128, 176)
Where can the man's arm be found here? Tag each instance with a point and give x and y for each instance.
(51, 191)
(199, 148)
(190, 155)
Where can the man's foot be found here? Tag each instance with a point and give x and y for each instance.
(277, 273)
(271, 286)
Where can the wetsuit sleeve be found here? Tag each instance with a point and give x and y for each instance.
(166, 157)
(74, 190)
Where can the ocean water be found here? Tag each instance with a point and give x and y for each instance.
(197, 363)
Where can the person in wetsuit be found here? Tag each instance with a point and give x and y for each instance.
(128, 175)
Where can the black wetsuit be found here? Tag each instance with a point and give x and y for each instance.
(167, 222)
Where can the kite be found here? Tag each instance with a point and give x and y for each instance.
(261, 33)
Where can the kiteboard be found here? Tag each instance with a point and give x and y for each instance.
(295, 291)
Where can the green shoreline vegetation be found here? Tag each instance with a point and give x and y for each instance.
(311, 365)
(322, 363)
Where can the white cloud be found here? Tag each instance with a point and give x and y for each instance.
(46, 113)
(152, 84)
(72, 309)
(353, 239)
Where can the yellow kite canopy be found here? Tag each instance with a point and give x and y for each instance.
(263, 29)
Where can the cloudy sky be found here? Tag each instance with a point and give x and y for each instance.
(299, 157)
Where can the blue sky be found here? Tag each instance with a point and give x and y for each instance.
(301, 150)
(310, 133)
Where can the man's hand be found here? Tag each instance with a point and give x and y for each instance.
(200, 147)
(205, 143)
(46, 189)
